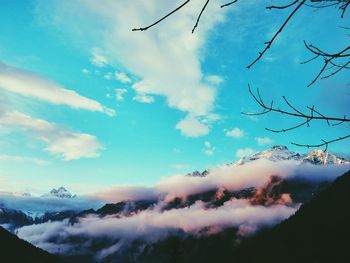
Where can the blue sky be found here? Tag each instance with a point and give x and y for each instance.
(87, 103)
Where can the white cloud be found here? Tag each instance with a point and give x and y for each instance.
(168, 56)
(108, 76)
(74, 146)
(192, 127)
(85, 71)
(143, 98)
(263, 140)
(235, 133)
(119, 94)
(60, 141)
(16, 158)
(29, 84)
(97, 58)
(230, 177)
(142, 90)
(244, 152)
(122, 77)
(156, 223)
(208, 149)
(214, 79)
(148, 226)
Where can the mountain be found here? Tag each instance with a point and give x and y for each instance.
(299, 190)
(16, 250)
(323, 157)
(123, 208)
(275, 153)
(282, 153)
(60, 192)
(12, 219)
(318, 232)
(207, 244)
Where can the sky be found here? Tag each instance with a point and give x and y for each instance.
(87, 103)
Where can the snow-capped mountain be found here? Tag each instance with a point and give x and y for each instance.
(60, 192)
(323, 157)
(282, 153)
(275, 153)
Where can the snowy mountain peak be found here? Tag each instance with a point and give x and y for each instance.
(60, 192)
(275, 153)
(282, 153)
(323, 157)
(279, 148)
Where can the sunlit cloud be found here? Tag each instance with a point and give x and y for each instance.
(263, 140)
(171, 50)
(235, 133)
(20, 159)
(214, 79)
(192, 127)
(32, 85)
(120, 93)
(59, 140)
(208, 149)
(97, 59)
(122, 77)
(149, 226)
(244, 152)
(143, 98)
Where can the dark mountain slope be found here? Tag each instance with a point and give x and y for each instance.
(15, 250)
(318, 232)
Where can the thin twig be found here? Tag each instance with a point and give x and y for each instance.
(269, 43)
(160, 20)
(268, 109)
(283, 6)
(199, 16)
(321, 144)
(228, 4)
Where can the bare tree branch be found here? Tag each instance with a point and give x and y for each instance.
(269, 43)
(298, 114)
(308, 117)
(289, 129)
(228, 4)
(160, 20)
(333, 63)
(324, 143)
(283, 6)
(199, 16)
(329, 59)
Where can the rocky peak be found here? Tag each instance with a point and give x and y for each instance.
(323, 157)
(60, 192)
(279, 148)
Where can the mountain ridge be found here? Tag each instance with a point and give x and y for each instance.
(16, 250)
(282, 153)
(60, 192)
(278, 153)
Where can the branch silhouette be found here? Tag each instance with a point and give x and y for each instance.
(307, 117)
(333, 63)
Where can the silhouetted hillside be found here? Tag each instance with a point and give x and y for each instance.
(318, 232)
(15, 250)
